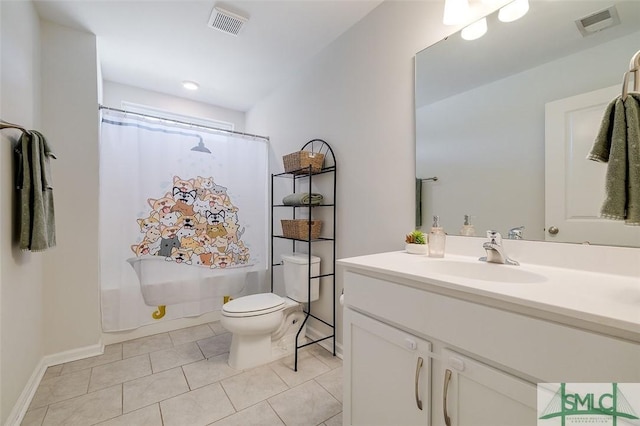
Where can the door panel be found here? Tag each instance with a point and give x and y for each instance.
(479, 395)
(384, 364)
(574, 186)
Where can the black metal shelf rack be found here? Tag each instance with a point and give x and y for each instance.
(298, 179)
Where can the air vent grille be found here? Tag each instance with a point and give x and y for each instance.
(225, 21)
(598, 21)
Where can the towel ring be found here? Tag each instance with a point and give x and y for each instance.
(634, 68)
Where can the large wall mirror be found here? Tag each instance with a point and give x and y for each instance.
(485, 110)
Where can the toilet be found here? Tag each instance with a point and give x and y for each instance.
(261, 324)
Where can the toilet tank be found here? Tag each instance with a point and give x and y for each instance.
(296, 276)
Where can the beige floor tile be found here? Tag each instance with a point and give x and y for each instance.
(253, 386)
(34, 417)
(145, 345)
(209, 371)
(53, 371)
(260, 414)
(334, 421)
(325, 356)
(190, 334)
(199, 407)
(147, 416)
(55, 389)
(308, 367)
(216, 345)
(86, 409)
(306, 404)
(151, 389)
(107, 375)
(217, 327)
(175, 357)
(111, 354)
(332, 382)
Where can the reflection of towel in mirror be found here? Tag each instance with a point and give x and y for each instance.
(37, 221)
(618, 144)
(302, 199)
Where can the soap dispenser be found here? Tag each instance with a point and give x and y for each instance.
(437, 239)
(467, 229)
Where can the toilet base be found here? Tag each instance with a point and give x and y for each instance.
(287, 344)
(256, 350)
(259, 350)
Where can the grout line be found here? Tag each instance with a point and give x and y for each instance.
(228, 397)
(274, 410)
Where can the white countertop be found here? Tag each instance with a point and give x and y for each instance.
(600, 302)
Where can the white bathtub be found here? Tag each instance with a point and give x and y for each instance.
(169, 283)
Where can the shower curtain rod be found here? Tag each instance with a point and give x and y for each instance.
(184, 122)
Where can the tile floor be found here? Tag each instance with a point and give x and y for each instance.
(182, 378)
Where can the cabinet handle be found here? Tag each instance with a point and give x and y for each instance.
(418, 368)
(447, 379)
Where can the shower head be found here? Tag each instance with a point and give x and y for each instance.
(201, 148)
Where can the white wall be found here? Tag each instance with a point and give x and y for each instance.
(115, 93)
(70, 122)
(21, 273)
(358, 96)
(499, 139)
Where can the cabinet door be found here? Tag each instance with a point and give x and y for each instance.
(387, 374)
(475, 394)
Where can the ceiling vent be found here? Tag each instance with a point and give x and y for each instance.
(225, 21)
(598, 21)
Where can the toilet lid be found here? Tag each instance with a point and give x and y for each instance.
(255, 304)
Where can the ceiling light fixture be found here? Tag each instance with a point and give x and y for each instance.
(514, 10)
(455, 12)
(475, 30)
(190, 85)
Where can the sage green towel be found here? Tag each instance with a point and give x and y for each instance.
(618, 144)
(37, 219)
(302, 199)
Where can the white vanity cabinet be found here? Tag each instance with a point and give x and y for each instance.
(390, 374)
(495, 356)
(474, 394)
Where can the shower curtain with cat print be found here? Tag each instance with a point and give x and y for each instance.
(165, 198)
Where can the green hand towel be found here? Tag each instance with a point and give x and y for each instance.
(618, 144)
(37, 219)
(302, 199)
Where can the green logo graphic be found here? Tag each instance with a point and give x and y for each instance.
(614, 405)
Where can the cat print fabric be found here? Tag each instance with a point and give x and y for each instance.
(193, 224)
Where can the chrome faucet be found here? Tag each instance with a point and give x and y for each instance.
(495, 250)
(515, 233)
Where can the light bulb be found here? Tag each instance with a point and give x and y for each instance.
(475, 30)
(513, 11)
(455, 11)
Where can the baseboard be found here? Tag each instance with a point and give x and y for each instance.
(24, 400)
(112, 337)
(74, 354)
(22, 404)
(314, 334)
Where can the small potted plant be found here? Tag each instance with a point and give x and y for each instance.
(416, 242)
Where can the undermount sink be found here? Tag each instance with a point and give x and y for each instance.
(484, 271)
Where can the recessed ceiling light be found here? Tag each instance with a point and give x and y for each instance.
(190, 85)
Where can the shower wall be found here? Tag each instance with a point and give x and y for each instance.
(115, 93)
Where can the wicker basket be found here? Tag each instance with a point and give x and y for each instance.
(299, 228)
(298, 162)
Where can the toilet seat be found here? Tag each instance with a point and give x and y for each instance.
(253, 305)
